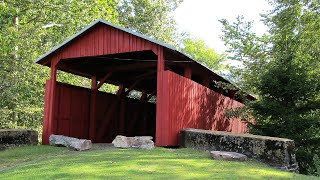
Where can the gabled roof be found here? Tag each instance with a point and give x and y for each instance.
(123, 29)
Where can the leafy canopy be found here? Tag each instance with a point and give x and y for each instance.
(282, 69)
(200, 51)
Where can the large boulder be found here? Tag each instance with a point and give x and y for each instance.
(70, 142)
(228, 156)
(139, 142)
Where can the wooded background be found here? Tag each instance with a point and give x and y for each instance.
(280, 68)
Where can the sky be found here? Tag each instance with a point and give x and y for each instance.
(200, 18)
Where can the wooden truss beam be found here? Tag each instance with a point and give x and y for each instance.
(144, 95)
(150, 95)
(139, 79)
(120, 90)
(103, 80)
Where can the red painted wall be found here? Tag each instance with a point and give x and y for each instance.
(72, 111)
(114, 116)
(191, 105)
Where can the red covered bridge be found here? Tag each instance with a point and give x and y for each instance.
(186, 95)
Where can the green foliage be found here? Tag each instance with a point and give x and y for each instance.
(282, 69)
(198, 50)
(316, 162)
(21, 118)
(29, 29)
(247, 48)
(37, 162)
(149, 17)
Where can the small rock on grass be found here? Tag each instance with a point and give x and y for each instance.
(228, 156)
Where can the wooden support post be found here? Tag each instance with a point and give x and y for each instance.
(53, 96)
(93, 98)
(50, 123)
(187, 72)
(162, 116)
(120, 90)
(45, 130)
(93, 82)
(143, 96)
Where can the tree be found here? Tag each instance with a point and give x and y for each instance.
(282, 69)
(149, 17)
(29, 29)
(198, 50)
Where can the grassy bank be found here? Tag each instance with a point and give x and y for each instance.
(45, 162)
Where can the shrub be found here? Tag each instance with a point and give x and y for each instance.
(27, 118)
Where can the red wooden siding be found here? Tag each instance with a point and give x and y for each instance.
(72, 111)
(114, 115)
(103, 40)
(191, 105)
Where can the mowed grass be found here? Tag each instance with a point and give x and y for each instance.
(46, 162)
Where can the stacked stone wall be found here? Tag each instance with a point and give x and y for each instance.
(277, 152)
(17, 137)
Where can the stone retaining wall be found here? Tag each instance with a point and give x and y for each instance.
(16, 137)
(277, 152)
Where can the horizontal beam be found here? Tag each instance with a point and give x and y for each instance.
(133, 66)
(149, 73)
(66, 68)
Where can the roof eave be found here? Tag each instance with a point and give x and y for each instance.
(44, 56)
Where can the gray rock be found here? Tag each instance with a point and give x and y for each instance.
(139, 142)
(228, 156)
(70, 142)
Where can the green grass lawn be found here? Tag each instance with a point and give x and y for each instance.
(45, 162)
